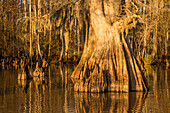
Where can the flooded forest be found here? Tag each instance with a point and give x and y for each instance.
(56, 30)
(61, 55)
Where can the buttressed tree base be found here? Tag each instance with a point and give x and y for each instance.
(108, 62)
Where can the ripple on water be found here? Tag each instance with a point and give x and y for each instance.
(55, 94)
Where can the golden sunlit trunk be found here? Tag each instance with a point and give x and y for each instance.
(166, 47)
(62, 36)
(25, 27)
(30, 30)
(38, 35)
(108, 62)
(49, 30)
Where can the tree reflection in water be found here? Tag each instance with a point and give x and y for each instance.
(109, 102)
(54, 93)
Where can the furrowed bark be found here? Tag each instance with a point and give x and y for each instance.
(108, 62)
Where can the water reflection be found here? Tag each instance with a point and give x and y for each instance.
(109, 102)
(158, 98)
(54, 93)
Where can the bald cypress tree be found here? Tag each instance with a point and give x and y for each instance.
(108, 62)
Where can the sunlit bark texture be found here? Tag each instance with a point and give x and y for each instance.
(108, 62)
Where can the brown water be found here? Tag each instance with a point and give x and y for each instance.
(54, 94)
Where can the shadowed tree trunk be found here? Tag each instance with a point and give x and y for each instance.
(108, 62)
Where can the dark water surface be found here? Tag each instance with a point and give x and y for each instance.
(54, 94)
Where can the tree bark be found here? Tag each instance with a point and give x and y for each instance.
(166, 47)
(38, 34)
(30, 30)
(49, 53)
(64, 16)
(108, 62)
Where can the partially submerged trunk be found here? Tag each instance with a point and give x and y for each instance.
(108, 62)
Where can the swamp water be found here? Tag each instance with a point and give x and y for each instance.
(54, 94)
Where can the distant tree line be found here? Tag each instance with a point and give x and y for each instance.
(56, 30)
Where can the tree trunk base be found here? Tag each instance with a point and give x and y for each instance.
(108, 62)
(91, 86)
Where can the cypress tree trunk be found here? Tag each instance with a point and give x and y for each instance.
(64, 16)
(25, 28)
(49, 53)
(30, 30)
(108, 62)
(38, 35)
(166, 48)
